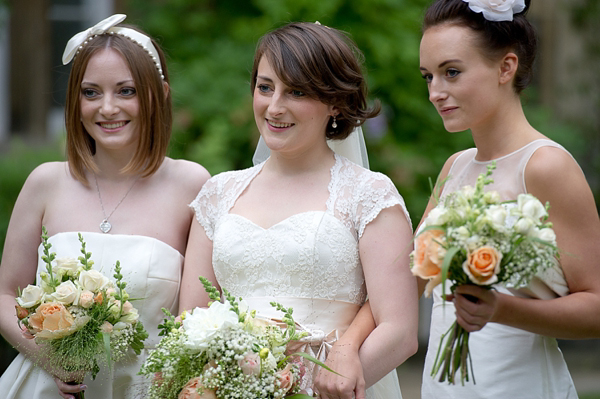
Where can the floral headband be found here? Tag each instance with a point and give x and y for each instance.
(107, 25)
(497, 10)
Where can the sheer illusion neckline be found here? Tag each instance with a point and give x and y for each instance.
(332, 171)
(474, 160)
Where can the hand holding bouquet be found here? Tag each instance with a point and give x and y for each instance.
(78, 314)
(225, 351)
(472, 237)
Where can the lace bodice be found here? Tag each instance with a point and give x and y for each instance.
(308, 255)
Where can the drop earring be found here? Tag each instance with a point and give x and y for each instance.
(334, 123)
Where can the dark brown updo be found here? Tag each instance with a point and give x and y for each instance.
(496, 38)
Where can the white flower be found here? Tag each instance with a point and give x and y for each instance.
(468, 192)
(492, 197)
(524, 226)
(497, 10)
(67, 266)
(462, 233)
(531, 206)
(203, 323)
(437, 216)
(496, 216)
(546, 234)
(93, 280)
(31, 296)
(130, 317)
(66, 293)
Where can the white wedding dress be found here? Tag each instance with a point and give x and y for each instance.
(152, 271)
(507, 362)
(309, 261)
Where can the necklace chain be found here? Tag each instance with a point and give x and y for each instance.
(105, 226)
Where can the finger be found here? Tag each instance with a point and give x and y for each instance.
(69, 388)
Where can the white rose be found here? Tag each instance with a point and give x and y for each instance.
(203, 323)
(524, 226)
(130, 317)
(546, 234)
(67, 266)
(31, 296)
(437, 216)
(66, 293)
(496, 215)
(497, 10)
(531, 206)
(93, 280)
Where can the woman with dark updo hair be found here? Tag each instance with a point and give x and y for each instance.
(477, 57)
(308, 227)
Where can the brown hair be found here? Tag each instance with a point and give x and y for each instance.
(496, 38)
(155, 108)
(323, 63)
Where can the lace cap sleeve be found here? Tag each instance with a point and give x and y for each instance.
(376, 194)
(205, 205)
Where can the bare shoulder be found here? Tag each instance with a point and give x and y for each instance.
(186, 176)
(553, 168)
(47, 177)
(446, 168)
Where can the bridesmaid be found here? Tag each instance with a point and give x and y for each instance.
(476, 57)
(308, 227)
(118, 188)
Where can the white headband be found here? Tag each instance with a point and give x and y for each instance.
(107, 25)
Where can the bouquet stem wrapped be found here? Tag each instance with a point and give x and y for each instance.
(472, 237)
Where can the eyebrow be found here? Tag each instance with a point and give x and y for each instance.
(118, 83)
(443, 63)
(264, 78)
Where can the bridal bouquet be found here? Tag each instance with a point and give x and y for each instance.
(78, 314)
(472, 237)
(223, 352)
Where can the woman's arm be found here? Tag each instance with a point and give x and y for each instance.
(198, 262)
(384, 249)
(344, 359)
(19, 267)
(552, 175)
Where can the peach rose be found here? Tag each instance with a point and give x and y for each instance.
(99, 298)
(52, 320)
(483, 265)
(285, 378)
(428, 257)
(106, 327)
(193, 390)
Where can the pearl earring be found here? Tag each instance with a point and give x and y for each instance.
(334, 123)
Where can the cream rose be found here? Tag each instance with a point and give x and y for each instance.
(437, 216)
(496, 216)
(66, 293)
(194, 390)
(31, 296)
(67, 266)
(428, 257)
(483, 265)
(546, 234)
(497, 10)
(531, 207)
(93, 280)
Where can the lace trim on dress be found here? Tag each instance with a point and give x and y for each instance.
(356, 195)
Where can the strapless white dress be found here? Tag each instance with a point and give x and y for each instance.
(152, 271)
(309, 261)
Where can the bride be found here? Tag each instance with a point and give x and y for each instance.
(308, 227)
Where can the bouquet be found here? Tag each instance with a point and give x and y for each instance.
(78, 314)
(225, 351)
(471, 237)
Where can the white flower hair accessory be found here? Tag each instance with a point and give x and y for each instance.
(107, 25)
(497, 10)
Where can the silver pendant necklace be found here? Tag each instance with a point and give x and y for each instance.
(105, 226)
